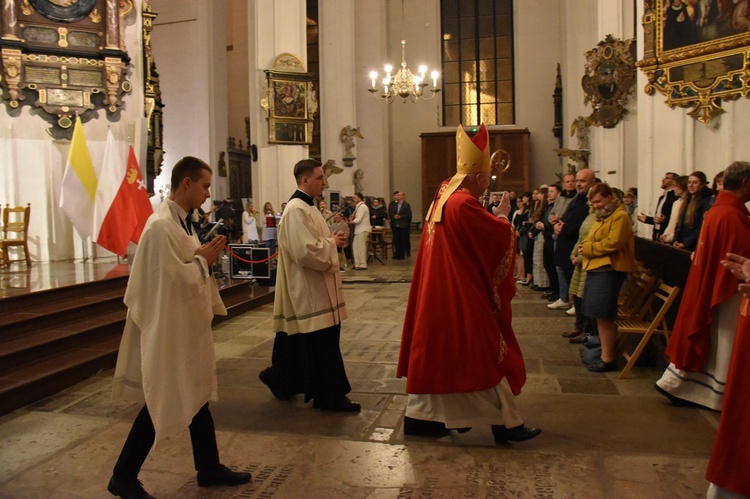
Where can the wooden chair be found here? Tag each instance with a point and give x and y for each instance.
(381, 244)
(16, 223)
(635, 294)
(658, 325)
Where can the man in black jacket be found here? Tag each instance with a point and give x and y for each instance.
(400, 214)
(567, 229)
(663, 207)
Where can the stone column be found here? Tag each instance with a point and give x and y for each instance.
(113, 25)
(10, 20)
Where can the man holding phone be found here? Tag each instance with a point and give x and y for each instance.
(166, 356)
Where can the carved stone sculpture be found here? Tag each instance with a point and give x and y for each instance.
(347, 136)
(330, 168)
(358, 176)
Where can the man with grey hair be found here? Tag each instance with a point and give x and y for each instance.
(700, 346)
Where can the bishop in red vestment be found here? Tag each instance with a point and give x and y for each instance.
(458, 351)
(700, 358)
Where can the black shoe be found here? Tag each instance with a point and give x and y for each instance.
(127, 489)
(602, 367)
(398, 258)
(676, 400)
(518, 434)
(422, 427)
(222, 476)
(553, 298)
(265, 378)
(345, 405)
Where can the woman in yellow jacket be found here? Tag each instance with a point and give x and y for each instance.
(608, 256)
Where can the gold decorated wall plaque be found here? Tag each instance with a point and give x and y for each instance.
(64, 57)
(697, 54)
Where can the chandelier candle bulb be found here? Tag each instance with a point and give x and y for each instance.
(373, 76)
(434, 75)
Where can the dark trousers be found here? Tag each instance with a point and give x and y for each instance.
(401, 242)
(141, 439)
(548, 255)
(309, 363)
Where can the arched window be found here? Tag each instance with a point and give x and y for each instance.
(477, 62)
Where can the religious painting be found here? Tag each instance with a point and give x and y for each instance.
(692, 22)
(290, 132)
(695, 53)
(289, 101)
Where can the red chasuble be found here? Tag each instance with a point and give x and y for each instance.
(730, 459)
(726, 228)
(457, 335)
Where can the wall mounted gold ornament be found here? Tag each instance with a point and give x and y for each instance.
(68, 53)
(609, 80)
(697, 55)
(289, 101)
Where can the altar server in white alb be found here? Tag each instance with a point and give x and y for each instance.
(309, 304)
(166, 356)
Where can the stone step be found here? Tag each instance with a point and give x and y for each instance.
(48, 375)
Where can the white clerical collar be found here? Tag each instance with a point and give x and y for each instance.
(180, 211)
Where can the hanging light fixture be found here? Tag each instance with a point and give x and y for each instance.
(404, 83)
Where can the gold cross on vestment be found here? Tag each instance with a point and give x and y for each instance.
(430, 232)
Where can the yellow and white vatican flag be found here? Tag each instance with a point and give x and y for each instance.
(78, 193)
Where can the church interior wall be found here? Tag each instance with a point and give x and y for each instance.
(185, 71)
(338, 88)
(372, 115)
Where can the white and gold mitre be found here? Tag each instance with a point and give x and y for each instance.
(472, 156)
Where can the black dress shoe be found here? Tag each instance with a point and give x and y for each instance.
(676, 400)
(518, 434)
(553, 298)
(265, 378)
(602, 367)
(345, 405)
(422, 427)
(127, 489)
(222, 476)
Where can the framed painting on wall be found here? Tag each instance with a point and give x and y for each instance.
(289, 101)
(696, 53)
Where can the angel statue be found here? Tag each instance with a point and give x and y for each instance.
(347, 136)
(580, 128)
(359, 174)
(330, 168)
